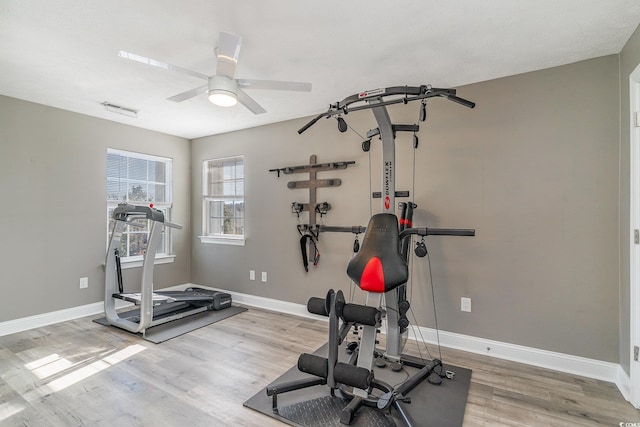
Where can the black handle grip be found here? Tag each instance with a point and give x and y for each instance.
(437, 232)
(461, 101)
(450, 232)
(311, 123)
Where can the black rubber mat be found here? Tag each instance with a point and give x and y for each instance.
(166, 331)
(431, 405)
(325, 412)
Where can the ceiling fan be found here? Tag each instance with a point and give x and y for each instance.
(222, 88)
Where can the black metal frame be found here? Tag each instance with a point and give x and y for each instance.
(409, 93)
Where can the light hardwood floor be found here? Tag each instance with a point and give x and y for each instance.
(79, 373)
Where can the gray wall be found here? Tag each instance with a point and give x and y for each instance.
(53, 217)
(629, 60)
(534, 169)
(537, 168)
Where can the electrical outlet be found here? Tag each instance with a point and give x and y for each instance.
(465, 304)
(252, 275)
(264, 276)
(84, 282)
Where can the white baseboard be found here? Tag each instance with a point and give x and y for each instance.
(263, 302)
(577, 365)
(45, 319)
(623, 382)
(567, 363)
(39, 320)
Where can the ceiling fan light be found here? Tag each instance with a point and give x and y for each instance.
(222, 98)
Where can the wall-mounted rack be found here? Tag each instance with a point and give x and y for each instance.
(318, 167)
(313, 183)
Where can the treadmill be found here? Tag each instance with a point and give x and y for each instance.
(155, 308)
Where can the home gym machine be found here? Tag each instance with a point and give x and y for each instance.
(380, 268)
(155, 307)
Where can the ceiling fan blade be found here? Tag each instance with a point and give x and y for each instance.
(189, 94)
(227, 54)
(249, 102)
(159, 64)
(274, 85)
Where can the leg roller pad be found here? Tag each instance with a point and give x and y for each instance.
(314, 365)
(317, 305)
(352, 375)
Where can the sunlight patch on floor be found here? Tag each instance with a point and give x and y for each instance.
(9, 409)
(48, 366)
(55, 364)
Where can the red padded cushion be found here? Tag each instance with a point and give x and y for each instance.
(372, 278)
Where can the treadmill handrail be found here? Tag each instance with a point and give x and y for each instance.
(125, 210)
(172, 225)
(127, 213)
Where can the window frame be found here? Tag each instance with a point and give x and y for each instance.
(164, 254)
(219, 238)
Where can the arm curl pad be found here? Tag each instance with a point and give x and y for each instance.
(361, 314)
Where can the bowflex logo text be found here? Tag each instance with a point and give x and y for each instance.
(388, 171)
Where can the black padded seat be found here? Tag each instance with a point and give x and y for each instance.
(379, 267)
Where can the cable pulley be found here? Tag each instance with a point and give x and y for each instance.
(342, 125)
(421, 249)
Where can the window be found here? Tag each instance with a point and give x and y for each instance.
(138, 179)
(223, 201)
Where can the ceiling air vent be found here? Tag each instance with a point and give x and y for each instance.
(125, 111)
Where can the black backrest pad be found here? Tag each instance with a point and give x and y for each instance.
(379, 267)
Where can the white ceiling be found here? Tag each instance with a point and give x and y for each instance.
(63, 53)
